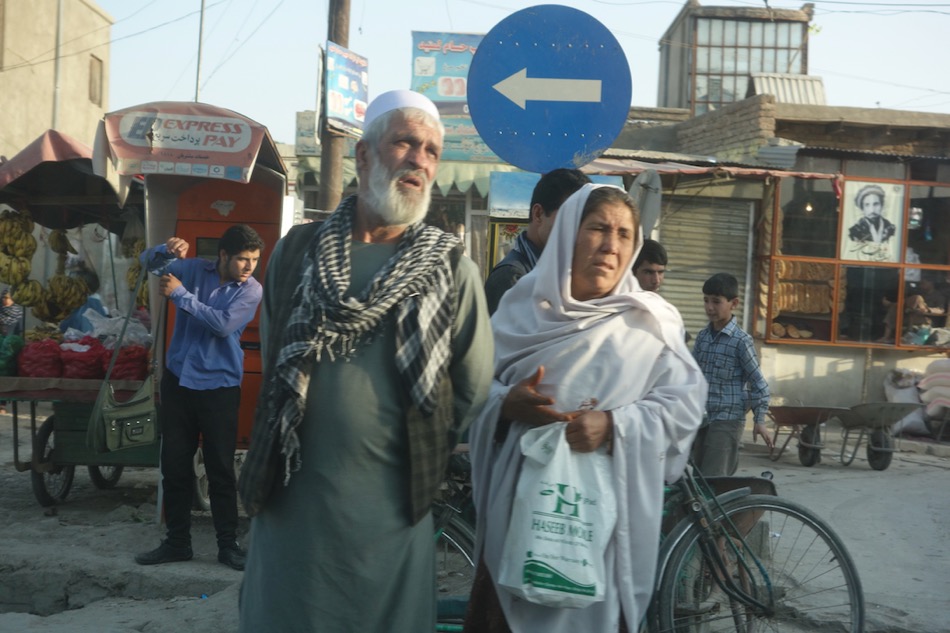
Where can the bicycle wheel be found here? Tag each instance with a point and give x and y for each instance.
(454, 551)
(814, 584)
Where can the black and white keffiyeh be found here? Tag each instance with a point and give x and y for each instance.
(416, 283)
(11, 317)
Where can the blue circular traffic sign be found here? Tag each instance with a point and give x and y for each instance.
(549, 87)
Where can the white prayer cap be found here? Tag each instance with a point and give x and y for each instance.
(395, 99)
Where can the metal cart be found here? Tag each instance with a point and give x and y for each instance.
(59, 442)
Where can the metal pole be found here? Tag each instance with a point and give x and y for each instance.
(56, 64)
(201, 28)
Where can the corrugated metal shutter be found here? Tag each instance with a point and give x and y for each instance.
(703, 236)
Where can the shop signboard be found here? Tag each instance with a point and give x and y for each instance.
(440, 64)
(347, 89)
(182, 139)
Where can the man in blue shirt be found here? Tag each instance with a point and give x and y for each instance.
(201, 385)
(727, 357)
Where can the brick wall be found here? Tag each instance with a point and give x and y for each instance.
(733, 133)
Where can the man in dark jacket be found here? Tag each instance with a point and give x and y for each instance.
(549, 194)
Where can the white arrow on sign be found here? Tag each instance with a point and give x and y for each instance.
(521, 89)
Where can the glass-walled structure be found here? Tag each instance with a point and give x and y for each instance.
(709, 53)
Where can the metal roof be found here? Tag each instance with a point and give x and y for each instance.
(788, 88)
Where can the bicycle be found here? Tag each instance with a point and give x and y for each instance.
(453, 514)
(745, 562)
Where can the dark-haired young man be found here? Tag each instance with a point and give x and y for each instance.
(201, 384)
(549, 194)
(650, 266)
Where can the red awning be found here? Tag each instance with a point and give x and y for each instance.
(54, 179)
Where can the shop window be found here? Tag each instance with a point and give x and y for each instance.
(808, 215)
(803, 300)
(95, 80)
(928, 225)
(829, 281)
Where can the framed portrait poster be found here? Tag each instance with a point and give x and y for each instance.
(871, 221)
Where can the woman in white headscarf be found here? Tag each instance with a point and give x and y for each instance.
(577, 332)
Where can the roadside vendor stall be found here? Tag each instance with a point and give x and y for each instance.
(58, 217)
(159, 170)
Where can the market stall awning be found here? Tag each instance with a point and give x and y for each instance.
(182, 138)
(53, 178)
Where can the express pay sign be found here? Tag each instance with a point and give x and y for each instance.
(549, 87)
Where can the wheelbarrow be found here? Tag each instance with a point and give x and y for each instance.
(803, 423)
(872, 420)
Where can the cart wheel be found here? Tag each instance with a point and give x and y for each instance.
(810, 434)
(105, 477)
(879, 453)
(49, 488)
(202, 499)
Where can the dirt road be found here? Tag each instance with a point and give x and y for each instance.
(72, 564)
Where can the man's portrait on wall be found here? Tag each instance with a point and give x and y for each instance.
(872, 220)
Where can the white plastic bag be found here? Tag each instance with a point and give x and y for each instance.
(562, 518)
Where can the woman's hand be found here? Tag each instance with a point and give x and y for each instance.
(589, 430)
(525, 404)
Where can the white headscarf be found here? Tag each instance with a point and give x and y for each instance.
(539, 312)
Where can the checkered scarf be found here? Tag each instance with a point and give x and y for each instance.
(10, 318)
(416, 283)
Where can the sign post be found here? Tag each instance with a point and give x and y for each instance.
(549, 87)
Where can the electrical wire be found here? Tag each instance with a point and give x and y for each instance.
(241, 45)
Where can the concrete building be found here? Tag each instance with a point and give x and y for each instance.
(54, 69)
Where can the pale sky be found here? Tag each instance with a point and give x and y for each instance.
(260, 58)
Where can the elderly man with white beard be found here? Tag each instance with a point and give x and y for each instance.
(377, 353)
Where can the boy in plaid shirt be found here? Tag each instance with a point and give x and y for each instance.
(727, 357)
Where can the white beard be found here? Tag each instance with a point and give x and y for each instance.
(387, 202)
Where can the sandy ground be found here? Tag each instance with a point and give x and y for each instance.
(73, 565)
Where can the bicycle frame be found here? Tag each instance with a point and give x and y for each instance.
(704, 508)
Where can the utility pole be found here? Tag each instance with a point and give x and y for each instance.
(56, 66)
(201, 32)
(331, 144)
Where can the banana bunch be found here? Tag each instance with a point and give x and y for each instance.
(132, 274)
(59, 243)
(132, 247)
(14, 222)
(14, 270)
(23, 246)
(29, 294)
(42, 332)
(132, 278)
(17, 246)
(62, 295)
